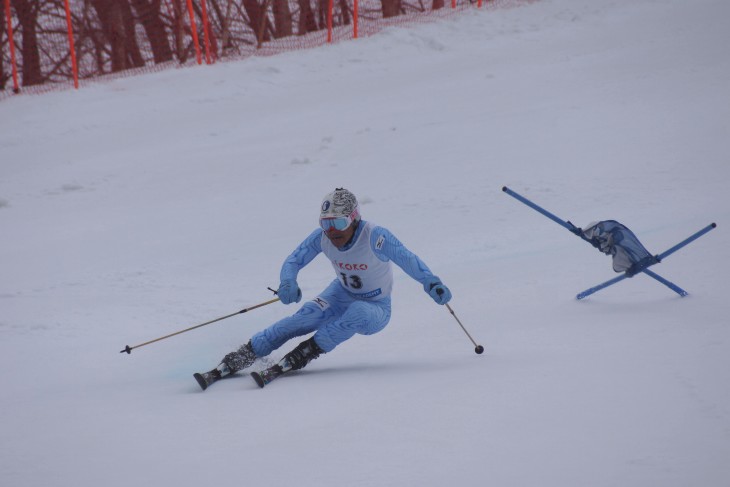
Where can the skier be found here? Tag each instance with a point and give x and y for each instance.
(356, 301)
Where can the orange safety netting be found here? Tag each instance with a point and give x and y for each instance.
(64, 42)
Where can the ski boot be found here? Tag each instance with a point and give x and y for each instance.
(231, 363)
(297, 359)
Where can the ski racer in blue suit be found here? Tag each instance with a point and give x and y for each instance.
(357, 301)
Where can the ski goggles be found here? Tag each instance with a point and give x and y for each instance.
(340, 223)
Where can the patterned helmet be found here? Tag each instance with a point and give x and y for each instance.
(340, 203)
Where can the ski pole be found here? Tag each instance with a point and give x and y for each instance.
(129, 349)
(477, 348)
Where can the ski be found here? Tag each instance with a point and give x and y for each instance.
(267, 375)
(207, 378)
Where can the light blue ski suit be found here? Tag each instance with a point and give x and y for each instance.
(353, 302)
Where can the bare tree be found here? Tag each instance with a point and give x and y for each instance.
(148, 13)
(282, 18)
(3, 77)
(257, 19)
(178, 30)
(345, 10)
(391, 8)
(307, 22)
(117, 23)
(222, 22)
(27, 13)
(322, 12)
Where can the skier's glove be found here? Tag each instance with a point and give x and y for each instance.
(437, 291)
(289, 291)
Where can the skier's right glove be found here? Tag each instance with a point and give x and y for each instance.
(289, 291)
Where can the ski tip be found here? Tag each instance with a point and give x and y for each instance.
(201, 381)
(259, 380)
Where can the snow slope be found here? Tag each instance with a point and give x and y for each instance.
(133, 209)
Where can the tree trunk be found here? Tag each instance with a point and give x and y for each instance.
(257, 20)
(282, 19)
(134, 55)
(391, 8)
(307, 22)
(117, 24)
(179, 31)
(345, 10)
(3, 77)
(322, 12)
(110, 20)
(225, 27)
(149, 16)
(27, 13)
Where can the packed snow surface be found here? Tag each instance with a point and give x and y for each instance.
(138, 207)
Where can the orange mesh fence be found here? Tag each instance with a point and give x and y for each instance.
(47, 44)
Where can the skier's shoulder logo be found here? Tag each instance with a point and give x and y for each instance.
(380, 242)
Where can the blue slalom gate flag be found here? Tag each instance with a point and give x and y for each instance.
(645, 262)
(616, 240)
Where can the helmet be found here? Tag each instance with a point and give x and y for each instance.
(340, 205)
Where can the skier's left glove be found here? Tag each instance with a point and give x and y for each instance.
(437, 290)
